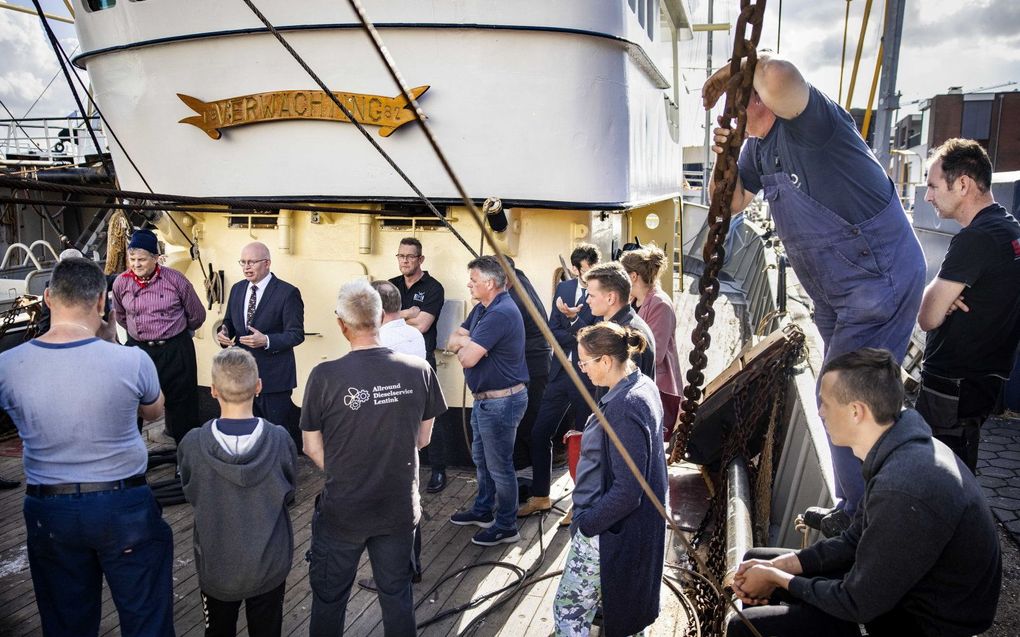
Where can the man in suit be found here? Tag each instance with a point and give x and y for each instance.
(266, 316)
(570, 314)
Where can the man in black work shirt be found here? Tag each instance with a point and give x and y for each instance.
(971, 310)
(421, 301)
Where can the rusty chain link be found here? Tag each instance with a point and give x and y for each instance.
(28, 304)
(738, 94)
(759, 402)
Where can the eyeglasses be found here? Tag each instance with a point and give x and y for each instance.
(407, 257)
(583, 365)
(246, 264)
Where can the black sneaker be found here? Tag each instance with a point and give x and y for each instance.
(470, 518)
(492, 537)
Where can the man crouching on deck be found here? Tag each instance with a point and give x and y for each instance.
(921, 556)
(364, 417)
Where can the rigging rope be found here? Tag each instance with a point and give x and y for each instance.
(104, 157)
(751, 14)
(22, 128)
(58, 50)
(353, 120)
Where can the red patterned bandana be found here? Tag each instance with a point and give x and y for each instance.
(131, 275)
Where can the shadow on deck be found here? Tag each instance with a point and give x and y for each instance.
(445, 549)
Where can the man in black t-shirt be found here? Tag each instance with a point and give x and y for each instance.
(421, 301)
(364, 418)
(536, 356)
(971, 310)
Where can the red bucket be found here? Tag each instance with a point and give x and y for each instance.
(572, 439)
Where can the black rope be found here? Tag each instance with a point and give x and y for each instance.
(18, 124)
(104, 157)
(347, 113)
(57, 50)
(191, 244)
(48, 85)
(153, 207)
(380, 48)
(233, 204)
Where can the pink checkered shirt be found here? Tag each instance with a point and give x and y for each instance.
(165, 307)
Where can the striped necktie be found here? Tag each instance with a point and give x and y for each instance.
(251, 303)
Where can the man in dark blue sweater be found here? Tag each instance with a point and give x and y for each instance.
(922, 554)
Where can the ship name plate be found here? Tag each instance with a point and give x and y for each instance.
(388, 113)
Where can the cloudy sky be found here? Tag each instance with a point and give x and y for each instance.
(27, 62)
(973, 44)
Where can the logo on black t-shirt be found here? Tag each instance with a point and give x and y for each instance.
(419, 297)
(356, 397)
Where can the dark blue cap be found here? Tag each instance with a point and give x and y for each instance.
(144, 239)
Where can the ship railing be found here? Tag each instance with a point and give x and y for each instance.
(752, 281)
(48, 140)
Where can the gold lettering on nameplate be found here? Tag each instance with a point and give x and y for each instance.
(388, 113)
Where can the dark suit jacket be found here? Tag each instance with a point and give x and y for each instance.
(563, 330)
(280, 316)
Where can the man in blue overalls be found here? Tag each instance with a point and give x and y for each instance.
(841, 223)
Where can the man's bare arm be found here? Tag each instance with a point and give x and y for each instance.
(425, 433)
(422, 322)
(471, 353)
(781, 86)
(941, 298)
(741, 198)
(312, 447)
(457, 340)
(153, 411)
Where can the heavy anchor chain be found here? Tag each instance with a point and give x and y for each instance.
(28, 304)
(738, 94)
(759, 403)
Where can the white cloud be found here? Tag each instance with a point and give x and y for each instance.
(944, 44)
(27, 64)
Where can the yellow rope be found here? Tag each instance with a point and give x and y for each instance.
(116, 243)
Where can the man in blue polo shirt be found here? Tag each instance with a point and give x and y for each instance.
(89, 513)
(490, 346)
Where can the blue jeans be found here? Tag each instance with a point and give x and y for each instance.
(494, 427)
(333, 564)
(76, 540)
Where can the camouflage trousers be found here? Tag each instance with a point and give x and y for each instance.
(580, 590)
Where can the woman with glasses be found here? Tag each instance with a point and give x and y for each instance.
(617, 535)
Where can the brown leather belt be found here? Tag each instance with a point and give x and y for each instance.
(43, 490)
(499, 393)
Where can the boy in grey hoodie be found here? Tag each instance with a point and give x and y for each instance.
(238, 473)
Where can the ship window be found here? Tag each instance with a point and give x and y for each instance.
(253, 220)
(394, 216)
(99, 5)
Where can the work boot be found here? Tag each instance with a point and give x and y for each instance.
(568, 518)
(437, 482)
(535, 504)
(831, 522)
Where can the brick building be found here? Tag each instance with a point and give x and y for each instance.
(993, 119)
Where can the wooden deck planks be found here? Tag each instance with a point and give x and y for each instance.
(446, 548)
